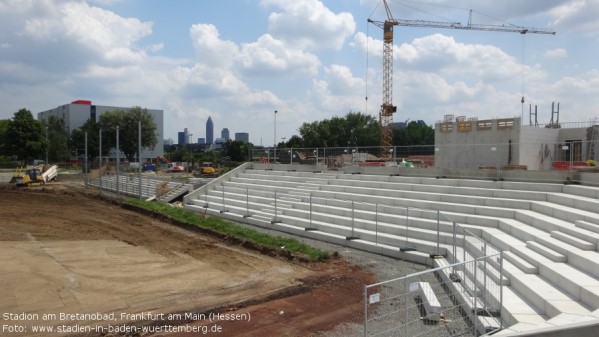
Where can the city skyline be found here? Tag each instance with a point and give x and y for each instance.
(188, 134)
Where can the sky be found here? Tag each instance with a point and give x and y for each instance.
(240, 60)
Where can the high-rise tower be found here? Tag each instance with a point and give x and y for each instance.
(209, 131)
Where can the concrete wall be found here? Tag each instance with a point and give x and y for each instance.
(588, 178)
(473, 147)
(537, 147)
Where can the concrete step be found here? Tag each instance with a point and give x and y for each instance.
(517, 310)
(547, 297)
(547, 252)
(583, 191)
(573, 241)
(587, 225)
(530, 256)
(577, 284)
(520, 263)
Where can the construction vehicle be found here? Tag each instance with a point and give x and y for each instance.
(33, 175)
(175, 167)
(207, 170)
(387, 107)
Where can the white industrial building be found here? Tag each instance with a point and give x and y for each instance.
(76, 113)
(497, 143)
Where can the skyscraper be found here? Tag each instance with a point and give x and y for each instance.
(183, 137)
(242, 137)
(209, 131)
(225, 135)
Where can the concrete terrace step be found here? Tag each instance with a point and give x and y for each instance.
(574, 241)
(579, 285)
(520, 263)
(547, 252)
(548, 223)
(515, 199)
(587, 225)
(517, 310)
(544, 295)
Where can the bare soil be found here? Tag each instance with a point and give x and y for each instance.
(65, 251)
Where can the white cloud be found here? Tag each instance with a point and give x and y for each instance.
(210, 48)
(91, 28)
(268, 55)
(339, 91)
(309, 24)
(342, 81)
(578, 16)
(559, 53)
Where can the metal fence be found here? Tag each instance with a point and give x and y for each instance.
(130, 181)
(453, 159)
(459, 302)
(463, 298)
(380, 223)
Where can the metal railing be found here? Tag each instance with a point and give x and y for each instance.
(383, 224)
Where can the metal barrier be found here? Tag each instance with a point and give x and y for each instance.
(382, 224)
(464, 298)
(469, 292)
(549, 161)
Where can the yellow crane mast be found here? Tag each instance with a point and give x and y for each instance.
(387, 107)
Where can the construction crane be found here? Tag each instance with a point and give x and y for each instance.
(387, 107)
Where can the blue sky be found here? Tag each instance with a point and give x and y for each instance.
(239, 60)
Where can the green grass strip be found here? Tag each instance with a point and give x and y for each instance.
(232, 229)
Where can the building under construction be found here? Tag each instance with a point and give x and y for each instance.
(506, 143)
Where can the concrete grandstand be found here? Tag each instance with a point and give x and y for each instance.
(548, 232)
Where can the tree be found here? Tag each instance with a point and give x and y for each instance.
(236, 150)
(355, 129)
(25, 136)
(77, 140)
(3, 127)
(295, 142)
(414, 134)
(127, 121)
(58, 140)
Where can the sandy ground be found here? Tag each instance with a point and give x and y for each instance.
(92, 264)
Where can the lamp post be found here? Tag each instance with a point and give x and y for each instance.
(47, 145)
(275, 140)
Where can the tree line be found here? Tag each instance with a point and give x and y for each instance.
(357, 130)
(24, 138)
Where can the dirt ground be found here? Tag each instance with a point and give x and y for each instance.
(103, 270)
